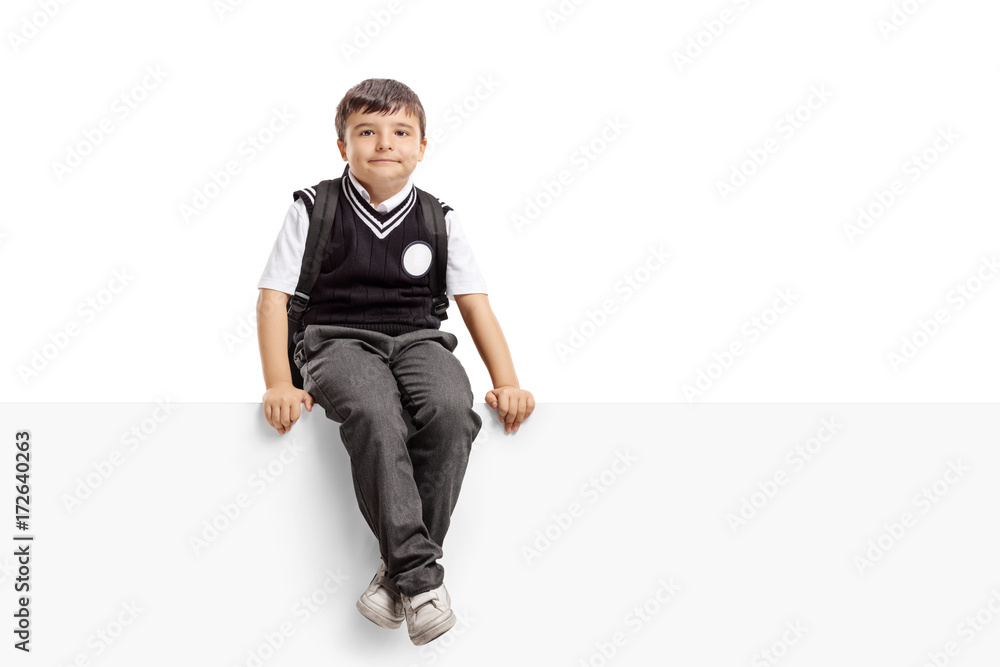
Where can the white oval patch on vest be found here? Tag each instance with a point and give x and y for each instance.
(417, 259)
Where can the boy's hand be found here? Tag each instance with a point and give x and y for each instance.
(513, 405)
(281, 406)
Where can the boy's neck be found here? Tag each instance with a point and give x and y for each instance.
(377, 194)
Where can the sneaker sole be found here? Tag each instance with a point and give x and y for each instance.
(377, 617)
(435, 631)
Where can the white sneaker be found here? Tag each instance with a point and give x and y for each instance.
(382, 603)
(428, 615)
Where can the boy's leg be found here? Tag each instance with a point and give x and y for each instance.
(347, 372)
(436, 392)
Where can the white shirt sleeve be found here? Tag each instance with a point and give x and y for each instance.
(283, 266)
(463, 275)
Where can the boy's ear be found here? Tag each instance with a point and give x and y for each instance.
(343, 149)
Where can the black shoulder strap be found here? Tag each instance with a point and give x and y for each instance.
(433, 213)
(321, 215)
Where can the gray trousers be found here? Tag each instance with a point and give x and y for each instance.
(406, 487)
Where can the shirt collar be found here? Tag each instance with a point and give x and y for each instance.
(389, 203)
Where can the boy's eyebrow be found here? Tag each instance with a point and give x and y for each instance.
(406, 125)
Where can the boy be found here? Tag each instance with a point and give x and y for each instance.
(370, 343)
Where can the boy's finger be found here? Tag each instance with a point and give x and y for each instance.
(511, 409)
(522, 407)
(285, 421)
(491, 399)
(511, 413)
(308, 401)
(504, 401)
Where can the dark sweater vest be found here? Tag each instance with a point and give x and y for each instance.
(364, 282)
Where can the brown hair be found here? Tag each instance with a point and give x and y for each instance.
(379, 96)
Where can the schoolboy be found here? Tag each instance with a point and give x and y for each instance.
(370, 343)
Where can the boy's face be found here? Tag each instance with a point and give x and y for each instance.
(383, 150)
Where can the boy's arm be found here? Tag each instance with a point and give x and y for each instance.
(282, 398)
(513, 403)
(272, 336)
(486, 334)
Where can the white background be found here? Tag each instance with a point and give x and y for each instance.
(180, 331)
(182, 326)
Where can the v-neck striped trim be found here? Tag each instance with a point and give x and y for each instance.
(380, 223)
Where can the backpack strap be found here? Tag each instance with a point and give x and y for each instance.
(321, 203)
(321, 215)
(434, 212)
